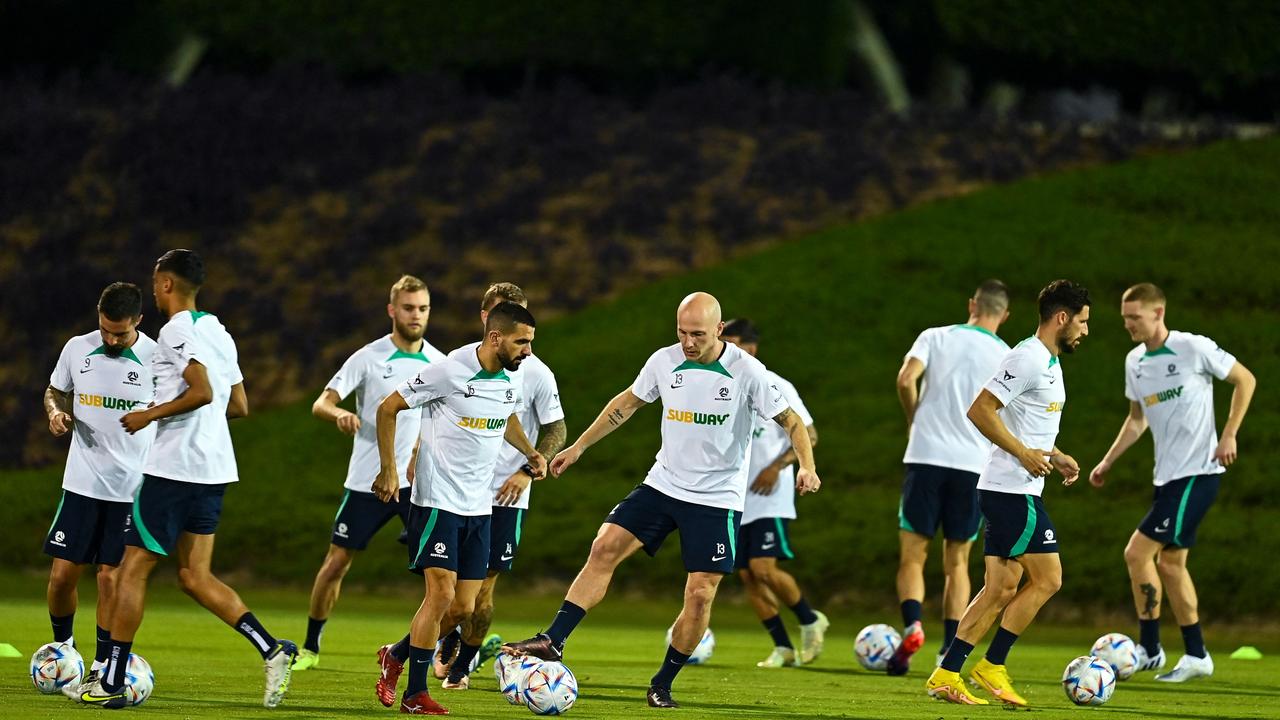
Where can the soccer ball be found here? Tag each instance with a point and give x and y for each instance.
(1089, 680)
(1119, 651)
(56, 666)
(510, 670)
(549, 689)
(139, 681)
(874, 646)
(702, 651)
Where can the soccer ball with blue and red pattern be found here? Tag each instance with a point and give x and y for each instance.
(139, 681)
(874, 645)
(56, 666)
(1089, 680)
(1119, 650)
(549, 689)
(510, 670)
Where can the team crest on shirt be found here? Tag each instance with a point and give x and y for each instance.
(723, 394)
(511, 396)
(132, 379)
(1171, 370)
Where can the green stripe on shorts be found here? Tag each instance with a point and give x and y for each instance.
(782, 539)
(345, 497)
(1020, 547)
(1182, 510)
(426, 533)
(902, 517)
(733, 540)
(147, 540)
(519, 524)
(57, 513)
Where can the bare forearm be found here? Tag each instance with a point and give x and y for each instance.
(386, 433)
(993, 429)
(1129, 433)
(908, 397)
(1241, 396)
(184, 403)
(56, 401)
(788, 456)
(514, 435)
(551, 439)
(618, 411)
(326, 410)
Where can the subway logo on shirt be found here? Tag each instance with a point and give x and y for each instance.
(482, 423)
(696, 418)
(1162, 396)
(107, 402)
(1055, 407)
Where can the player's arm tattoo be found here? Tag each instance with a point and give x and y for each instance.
(56, 401)
(617, 417)
(788, 456)
(1152, 598)
(784, 417)
(551, 439)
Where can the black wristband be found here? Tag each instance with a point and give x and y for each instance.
(527, 469)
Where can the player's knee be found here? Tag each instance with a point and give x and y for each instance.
(1170, 565)
(62, 578)
(604, 552)
(107, 581)
(335, 568)
(1049, 585)
(763, 572)
(698, 597)
(192, 581)
(1133, 557)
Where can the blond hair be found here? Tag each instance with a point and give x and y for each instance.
(1145, 293)
(500, 292)
(408, 283)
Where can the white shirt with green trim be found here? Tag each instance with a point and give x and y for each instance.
(373, 372)
(104, 461)
(958, 360)
(194, 447)
(463, 428)
(1030, 386)
(541, 407)
(768, 442)
(706, 422)
(1174, 384)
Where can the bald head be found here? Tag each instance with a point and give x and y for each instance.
(698, 326)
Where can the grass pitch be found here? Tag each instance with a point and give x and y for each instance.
(205, 670)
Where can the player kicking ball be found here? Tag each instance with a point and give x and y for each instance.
(1168, 379)
(709, 390)
(1019, 410)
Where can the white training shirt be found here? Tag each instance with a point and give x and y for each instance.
(104, 461)
(463, 431)
(768, 442)
(1029, 384)
(1174, 384)
(706, 422)
(194, 447)
(958, 360)
(373, 372)
(541, 407)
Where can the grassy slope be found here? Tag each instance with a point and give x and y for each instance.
(838, 310)
(203, 670)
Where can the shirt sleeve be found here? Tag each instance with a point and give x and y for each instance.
(349, 377)
(61, 378)
(920, 348)
(181, 340)
(645, 386)
(795, 403)
(1212, 359)
(1130, 391)
(544, 396)
(1012, 377)
(235, 376)
(767, 397)
(431, 383)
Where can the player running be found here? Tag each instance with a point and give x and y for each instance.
(1168, 379)
(769, 508)
(709, 389)
(372, 372)
(100, 376)
(191, 463)
(543, 421)
(1019, 410)
(945, 454)
(473, 401)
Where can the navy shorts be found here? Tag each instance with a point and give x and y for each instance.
(708, 535)
(933, 496)
(441, 539)
(87, 530)
(764, 538)
(164, 509)
(361, 515)
(1016, 525)
(504, 537)
(1177, 509)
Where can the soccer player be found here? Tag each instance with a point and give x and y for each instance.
(473, 401)
(769, 507)
(100, 376)
(1168, 379)
(945, 454)
(372, 372)
(709, 389)
(543, 420)
(198, 388)
(1019, 410)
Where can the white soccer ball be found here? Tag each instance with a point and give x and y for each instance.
(55, 666)
(874, 646)
(139, 681)
(1119, 651)
(1089, 680)
(510, 671)
(702, 651)
(549, 689)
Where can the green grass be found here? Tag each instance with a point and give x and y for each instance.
(838, 310)
(205, 670)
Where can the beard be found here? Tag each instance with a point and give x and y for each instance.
(409, 333)
(510, 362)
(1065, 347)
(113, 351)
